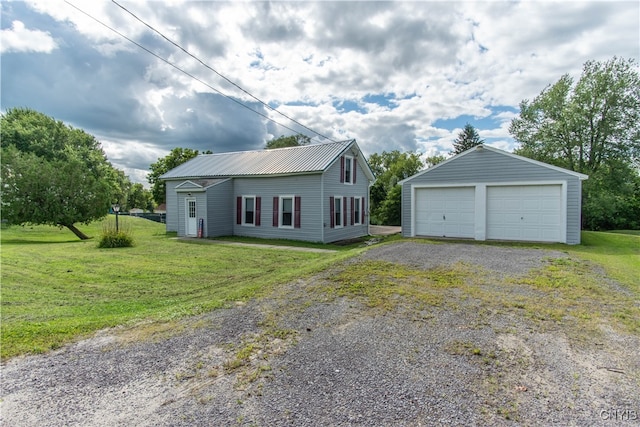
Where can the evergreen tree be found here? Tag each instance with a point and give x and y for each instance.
(467, 138)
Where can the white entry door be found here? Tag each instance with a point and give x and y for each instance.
(192, 220)
(445, 212)
(525, 212)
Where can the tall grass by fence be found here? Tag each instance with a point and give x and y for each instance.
(157, 217)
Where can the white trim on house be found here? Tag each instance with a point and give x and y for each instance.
(357, 210)
(191, 222)
(338, 206)
(244, 210)
(350, 160)
(281, 210)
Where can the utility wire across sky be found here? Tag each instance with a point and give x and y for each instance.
(197, 78)
(215, 71)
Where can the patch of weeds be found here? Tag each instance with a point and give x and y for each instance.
(241, 357)
(629, 316)
(509, 412)
(570, 292)
(463, 348)
(252, 375)
(380, 283)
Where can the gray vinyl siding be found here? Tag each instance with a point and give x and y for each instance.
(485, 166)
(305, 186)
(172, 206)
(220, 213)
(333, 187)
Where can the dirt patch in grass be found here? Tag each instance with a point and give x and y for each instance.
(404, 334)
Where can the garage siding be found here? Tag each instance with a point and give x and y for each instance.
(488, 166)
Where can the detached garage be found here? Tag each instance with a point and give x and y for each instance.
(486, 193)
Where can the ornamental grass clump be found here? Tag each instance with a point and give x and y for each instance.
(112, 237)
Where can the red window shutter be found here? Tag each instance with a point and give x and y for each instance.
(332, 212)
(276, 203)
(362, 212)
(296, 212)
(239, 210)
(344, 211)
(354, 167)
(342, 169)
(353, 211)
(258, 206)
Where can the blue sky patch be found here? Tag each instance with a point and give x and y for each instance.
(490, 122)
(347, 106)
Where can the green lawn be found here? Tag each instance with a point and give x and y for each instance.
(617, 252)
(56, 287)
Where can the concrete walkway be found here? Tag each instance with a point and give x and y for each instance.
(375, 230)
(383, 230)
(256, 245)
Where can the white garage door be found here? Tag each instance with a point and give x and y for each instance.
(525, 212)
(445, 212)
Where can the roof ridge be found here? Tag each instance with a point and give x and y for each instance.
(265, 150)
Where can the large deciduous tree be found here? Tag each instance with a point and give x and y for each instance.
(52, 174)
(288, 141)
(175, 158)
(385, 197)
(591, 126)
(467, 139)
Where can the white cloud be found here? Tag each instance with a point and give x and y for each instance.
(21, 39)
(442, 60)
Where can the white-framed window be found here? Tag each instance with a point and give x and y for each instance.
(357, 213)
(248, 210)
(348, 170)
(286, 211)
(337, 212)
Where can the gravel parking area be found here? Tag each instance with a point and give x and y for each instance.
(304, 357)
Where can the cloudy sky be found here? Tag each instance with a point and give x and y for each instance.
(392, 75)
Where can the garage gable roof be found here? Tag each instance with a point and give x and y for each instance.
(279, 161)
(505, 153)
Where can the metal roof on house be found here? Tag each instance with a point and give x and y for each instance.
(280, 161)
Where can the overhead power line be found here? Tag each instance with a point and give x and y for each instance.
(215, 71)
(194, 77)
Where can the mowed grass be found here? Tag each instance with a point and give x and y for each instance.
(56, 288)
(618, 252)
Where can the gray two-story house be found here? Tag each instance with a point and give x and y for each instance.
(316, 193)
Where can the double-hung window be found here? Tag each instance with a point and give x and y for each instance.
(356, 210)
(348, 170)
(286, 211)
(249, 210)
(337, 212)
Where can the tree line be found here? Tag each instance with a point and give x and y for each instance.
(56, 175)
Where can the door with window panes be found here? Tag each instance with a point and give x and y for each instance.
(191, 217)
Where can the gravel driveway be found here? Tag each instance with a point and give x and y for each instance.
(305, 357)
